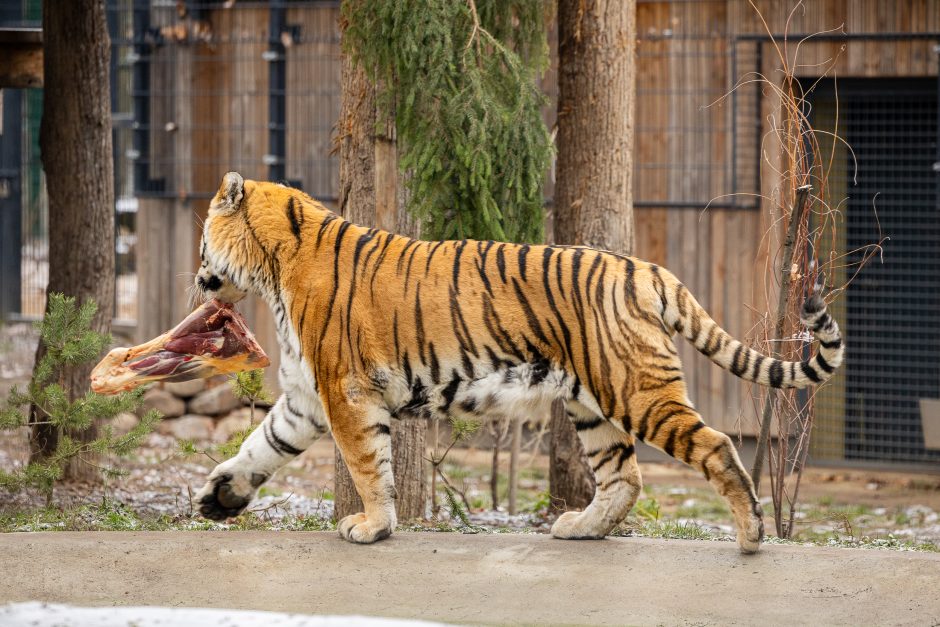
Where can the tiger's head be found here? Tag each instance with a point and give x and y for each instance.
(242, 238)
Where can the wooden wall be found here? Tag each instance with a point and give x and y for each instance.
(684, 146)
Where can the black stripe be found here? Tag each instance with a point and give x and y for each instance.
(546, 274)
(382, 428)
(670, 447)
(523, 251)
(435, 365)
(810, 372)
(290, 407)
(434, 247)
(449, 392)
(707, 349)
(482, 251)
(775, 374)
(401, 255)
(531, 318)
(326, 221)
(735, 369)
(411, 259)
(294, 222)
(836, 343)
(625, 454)
(419, 326)
(689, 446)
(588, 425)
(824, 320)
(336, 251)
(626, 423)
(757, 364)
(457, 253)
(662, 421)
(501, 261)
(821, 361)
(378, 262)
(281, 445)
(497, 332)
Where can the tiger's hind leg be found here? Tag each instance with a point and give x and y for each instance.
(669, 422)
(611, 454)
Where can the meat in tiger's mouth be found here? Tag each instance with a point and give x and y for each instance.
(213, 339)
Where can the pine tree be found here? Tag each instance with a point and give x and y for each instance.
(77, 158)
(68, 341)
(459, 78)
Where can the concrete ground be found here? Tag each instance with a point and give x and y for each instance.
(501, 579)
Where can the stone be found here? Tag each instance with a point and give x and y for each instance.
(163, 402)
(214, 401)
(188, 427)
(238, 420)
(124, 422)
(185, 389)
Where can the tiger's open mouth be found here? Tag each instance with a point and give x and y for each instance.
(214, 339)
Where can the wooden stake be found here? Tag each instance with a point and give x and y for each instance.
(783, 302)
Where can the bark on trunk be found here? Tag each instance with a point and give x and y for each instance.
(371, 194)
(593, 188)
(75, 140)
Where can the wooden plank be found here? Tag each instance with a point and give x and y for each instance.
(313, 99)
(154, 279)
(715, 410)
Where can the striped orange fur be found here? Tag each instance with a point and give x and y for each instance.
(373, 325)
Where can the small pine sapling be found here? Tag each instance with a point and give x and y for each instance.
(66, 334)
(460, 430)
(247, 386)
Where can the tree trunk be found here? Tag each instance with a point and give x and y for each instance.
(371, 194)
(593, 185)
(75, 140)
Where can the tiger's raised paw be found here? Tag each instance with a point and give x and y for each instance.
(227, 494)
(358, 528)
(752, 534)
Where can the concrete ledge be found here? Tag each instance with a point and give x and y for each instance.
(476, 578)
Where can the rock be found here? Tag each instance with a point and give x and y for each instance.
(185, 389)
(163, 402)
(124, 422)
(188, 427)
(214, 401)
(238, 420)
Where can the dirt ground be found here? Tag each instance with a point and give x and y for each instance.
(478, 579)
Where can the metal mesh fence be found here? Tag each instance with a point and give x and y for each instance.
(890, 310)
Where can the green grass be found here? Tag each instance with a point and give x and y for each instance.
(114, 516)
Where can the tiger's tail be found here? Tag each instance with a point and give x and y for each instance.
(684, 314)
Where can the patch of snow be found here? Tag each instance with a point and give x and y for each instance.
(35, 614)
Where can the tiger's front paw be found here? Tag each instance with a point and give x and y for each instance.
(227, 492)
(360, 529)
(578, 526)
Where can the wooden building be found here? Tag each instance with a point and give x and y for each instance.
(255, 88)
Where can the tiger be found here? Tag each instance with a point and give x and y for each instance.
(373, 326)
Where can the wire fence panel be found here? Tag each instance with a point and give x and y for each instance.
(892, 306)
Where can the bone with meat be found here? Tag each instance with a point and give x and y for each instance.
(214, 339)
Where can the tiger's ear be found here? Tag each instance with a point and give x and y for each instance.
(230, 193)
